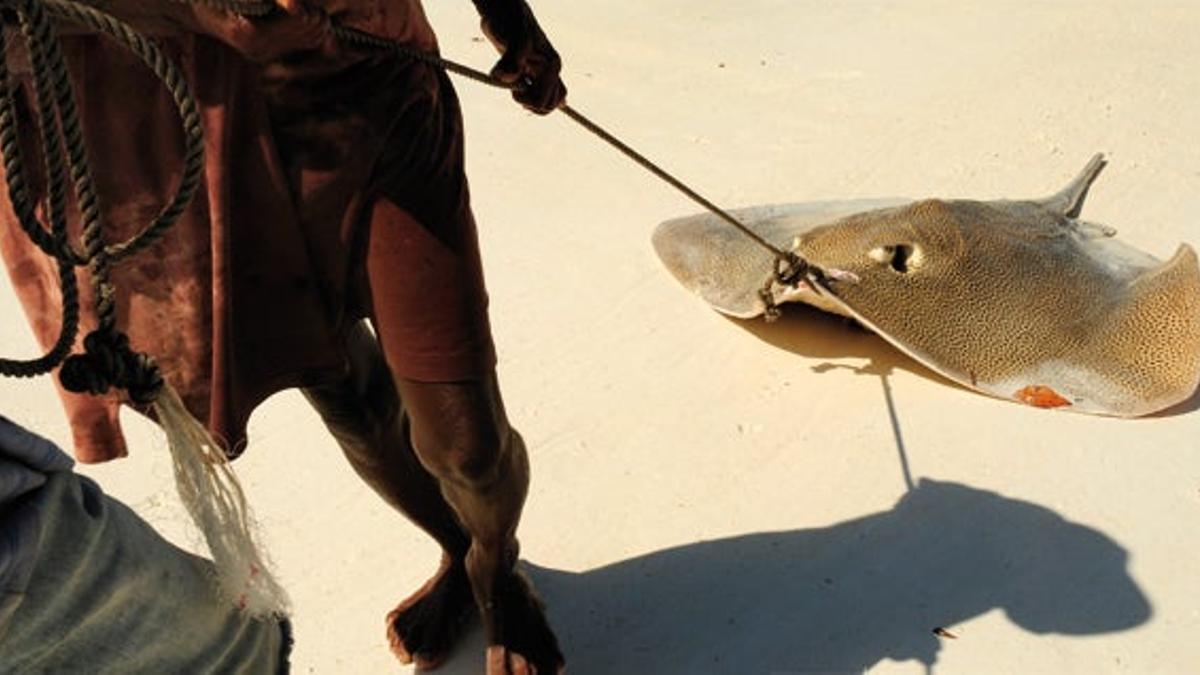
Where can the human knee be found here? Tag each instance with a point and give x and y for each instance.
(362, 403)
(359, 419)
(470, 454)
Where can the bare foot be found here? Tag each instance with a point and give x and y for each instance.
(500, 661)
(526, 646)
(424, 628)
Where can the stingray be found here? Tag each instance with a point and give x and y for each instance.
(1018, 299)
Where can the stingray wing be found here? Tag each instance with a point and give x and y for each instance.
(1141, 354)
(1143, 357)
(727, 269)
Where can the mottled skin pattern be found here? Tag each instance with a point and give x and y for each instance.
(992, 291)
(1151, 343)
(1018, 299)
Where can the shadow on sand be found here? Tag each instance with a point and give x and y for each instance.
(809, 332)
(844, 597)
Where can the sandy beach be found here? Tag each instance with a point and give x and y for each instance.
(720, 496)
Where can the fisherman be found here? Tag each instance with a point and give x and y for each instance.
(334, 196)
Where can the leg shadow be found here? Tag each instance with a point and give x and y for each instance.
(843, 598)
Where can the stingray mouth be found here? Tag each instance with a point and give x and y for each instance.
(788, 292)
(819, 280)
(821, 277)
(841, 276)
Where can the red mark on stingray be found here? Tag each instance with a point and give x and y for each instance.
(1041, 396)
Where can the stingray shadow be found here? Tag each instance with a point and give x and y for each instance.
(845, 597)
(812, 333)
(841, 598)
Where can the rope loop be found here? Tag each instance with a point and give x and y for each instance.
(107, 361)
(791, 269)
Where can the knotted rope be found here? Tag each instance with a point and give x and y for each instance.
(208, 488)
(108, 361)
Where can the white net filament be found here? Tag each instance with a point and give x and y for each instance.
(214, 499)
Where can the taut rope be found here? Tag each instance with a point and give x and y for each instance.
(790, 269)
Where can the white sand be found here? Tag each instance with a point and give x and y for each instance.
(710, 496)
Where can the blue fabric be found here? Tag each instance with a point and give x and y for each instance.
(26, 460)
(86, 586)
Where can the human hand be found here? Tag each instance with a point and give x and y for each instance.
(294, 27)
(527, 59)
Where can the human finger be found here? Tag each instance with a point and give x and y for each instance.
(497, 660)
(541, 93)
(518, 665)
(551, 96)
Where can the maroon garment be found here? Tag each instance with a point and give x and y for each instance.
(248, 293)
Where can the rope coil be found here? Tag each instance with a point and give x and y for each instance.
(207, 486)
(63, 147)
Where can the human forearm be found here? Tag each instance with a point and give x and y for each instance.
(503, 17)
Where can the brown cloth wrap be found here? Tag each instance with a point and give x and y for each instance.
(247, 294)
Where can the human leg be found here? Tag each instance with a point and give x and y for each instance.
(429, 310)
(462, 435)
(367, 418)
(365, 415)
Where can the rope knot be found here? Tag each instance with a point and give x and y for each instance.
(108, 361)
(790, 270)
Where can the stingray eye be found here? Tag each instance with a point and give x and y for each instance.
(900, 257)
